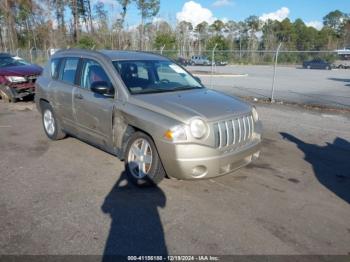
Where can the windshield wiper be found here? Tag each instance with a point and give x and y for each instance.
(185, 88)
(162, 90)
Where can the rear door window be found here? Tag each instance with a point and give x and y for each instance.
(55, 67)
(69, 69)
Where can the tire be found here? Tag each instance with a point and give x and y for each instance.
(141, 145)
(308, 67)
(7, 95)
(51, 124)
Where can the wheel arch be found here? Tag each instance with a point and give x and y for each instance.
(41, 103)
(129, 131)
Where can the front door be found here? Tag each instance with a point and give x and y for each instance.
(94, 112)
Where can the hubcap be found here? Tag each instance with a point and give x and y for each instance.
(140, 158)
(49, 122)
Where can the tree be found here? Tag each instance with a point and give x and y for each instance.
(80, 10)
(164, 40)
(119, 23)
(75, 13)
(221, 45)
(183, 31)
(59, 11)
(253, 25)
(202, 34)
(87, 15)
(232, 28)
(2, 21)
(347, 33)
(148, 9)
(335, 20)
(101, 17)
(217, 27)
(86, 42)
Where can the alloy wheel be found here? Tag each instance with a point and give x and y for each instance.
(140, 158)
(49, 122)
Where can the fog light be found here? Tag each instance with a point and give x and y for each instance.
(199, 171)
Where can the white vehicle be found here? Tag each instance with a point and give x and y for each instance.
(343, 60)
(199, 60)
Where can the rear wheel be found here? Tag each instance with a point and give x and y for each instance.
(142, 162)
(51, 124)
(308, 67)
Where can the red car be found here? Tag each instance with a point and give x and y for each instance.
(17, 77)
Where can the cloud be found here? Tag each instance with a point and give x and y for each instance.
(193, 12)
(315, 24)
(278, 15)
(221, 3)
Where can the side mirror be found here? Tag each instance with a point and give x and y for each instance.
(102, 88)
(198, 79)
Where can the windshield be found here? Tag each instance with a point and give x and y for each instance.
(12, 61)
(150, 76)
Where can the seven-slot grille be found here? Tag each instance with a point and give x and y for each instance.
(237, 131)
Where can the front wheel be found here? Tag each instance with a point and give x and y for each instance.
(51, 124)
(142, 163)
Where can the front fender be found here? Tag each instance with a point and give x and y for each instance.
(148, 121)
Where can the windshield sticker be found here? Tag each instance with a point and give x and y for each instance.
(177, 69)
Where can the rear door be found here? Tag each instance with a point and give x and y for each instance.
(94, 112)
(64, 87)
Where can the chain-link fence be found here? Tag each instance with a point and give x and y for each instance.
(306, 77)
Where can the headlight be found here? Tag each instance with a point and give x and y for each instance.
(16, 79)
(198, 128)
(177, 133)
(255, 114)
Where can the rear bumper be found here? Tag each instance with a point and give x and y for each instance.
(192, 162)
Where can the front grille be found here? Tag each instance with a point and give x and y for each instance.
(237, 131)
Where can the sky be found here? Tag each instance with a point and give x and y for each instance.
(196, 11)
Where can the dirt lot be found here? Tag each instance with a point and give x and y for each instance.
(68, 197)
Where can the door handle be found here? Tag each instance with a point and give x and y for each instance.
(78, 96)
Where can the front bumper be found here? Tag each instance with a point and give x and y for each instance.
(192, 161)
(21, 90)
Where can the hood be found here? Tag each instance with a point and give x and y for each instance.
(183, 105)
(22, 70)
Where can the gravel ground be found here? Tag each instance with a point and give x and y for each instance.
(68, 197)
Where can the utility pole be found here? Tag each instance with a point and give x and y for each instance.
(161, 49)
(212, 65)
(274, 73)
